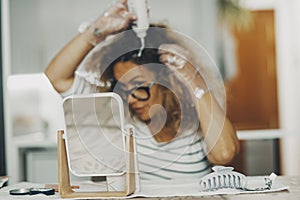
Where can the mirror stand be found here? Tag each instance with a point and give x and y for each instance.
(65, 189)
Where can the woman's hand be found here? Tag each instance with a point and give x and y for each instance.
(116, 19)
(177, 59)
(173, 56)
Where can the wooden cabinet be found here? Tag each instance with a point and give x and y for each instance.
(252, 93)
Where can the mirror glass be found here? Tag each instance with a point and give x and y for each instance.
(95, 134)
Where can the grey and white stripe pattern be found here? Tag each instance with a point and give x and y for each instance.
(183, 157)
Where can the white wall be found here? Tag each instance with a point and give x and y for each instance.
(47, 25)
(288, 48)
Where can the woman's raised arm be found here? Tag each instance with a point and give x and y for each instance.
(219, 134)
(60, 70)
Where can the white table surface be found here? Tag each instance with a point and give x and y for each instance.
(293, 193)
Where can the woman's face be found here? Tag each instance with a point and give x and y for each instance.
(130, 75)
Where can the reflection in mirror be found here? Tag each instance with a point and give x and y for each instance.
(94, 134)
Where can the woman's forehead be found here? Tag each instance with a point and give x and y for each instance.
(128, 71)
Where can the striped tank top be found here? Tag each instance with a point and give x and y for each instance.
(183, 157)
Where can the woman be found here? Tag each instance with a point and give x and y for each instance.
(180, 127)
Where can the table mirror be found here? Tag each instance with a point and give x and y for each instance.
(95, 139)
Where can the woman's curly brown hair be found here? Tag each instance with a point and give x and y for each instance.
(177, 100)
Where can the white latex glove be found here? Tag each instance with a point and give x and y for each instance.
(116, 19)
(176, 58)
